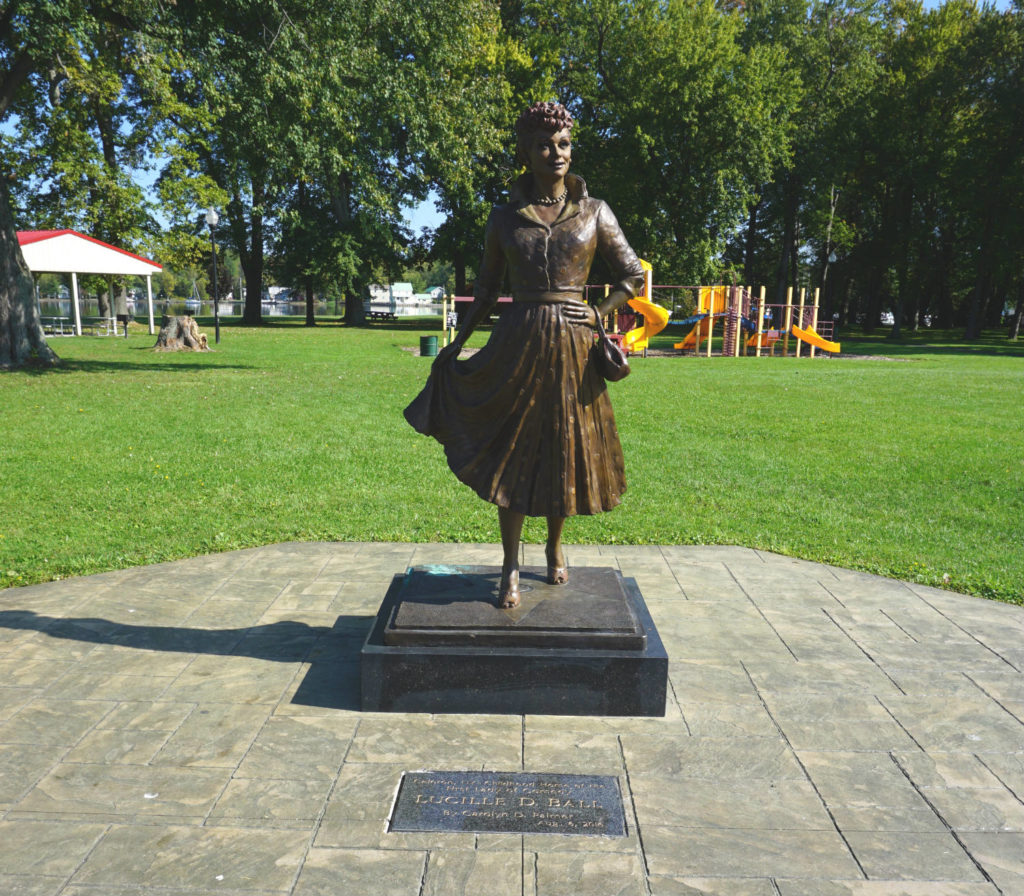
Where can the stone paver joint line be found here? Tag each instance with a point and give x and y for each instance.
(941, 818)
(994, 699)
(972, 636)
(861, 648)
(810, 779)
(903, 727)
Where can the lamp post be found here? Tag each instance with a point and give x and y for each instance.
(212, 219)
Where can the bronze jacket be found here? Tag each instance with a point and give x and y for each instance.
(555, 259)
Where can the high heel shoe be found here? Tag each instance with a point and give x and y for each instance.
(508, 593)
(557, 575)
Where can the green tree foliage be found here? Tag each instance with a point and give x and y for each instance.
(78, 153)
(751, 140)
(85, 90)
(679, 123)
(43, 46)
(940, 183)
(906, 162)
(799, 214)
(518, 63)
(989, 166)
(327, 117)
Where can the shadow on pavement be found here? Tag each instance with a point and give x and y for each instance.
(332, 653)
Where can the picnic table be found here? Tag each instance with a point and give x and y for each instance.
(100, 326)
(381, 315)
(58, 326)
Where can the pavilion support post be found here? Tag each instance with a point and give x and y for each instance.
(76, 313)
(149, 301)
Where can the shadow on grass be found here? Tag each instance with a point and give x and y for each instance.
(114, 365)
(93, 366)
(939, 344)
(333, 653)
(857, 342)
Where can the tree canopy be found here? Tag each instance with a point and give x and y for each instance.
(871, 148)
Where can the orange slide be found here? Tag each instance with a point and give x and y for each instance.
(812, 338)
(768, 339)
(696, 336)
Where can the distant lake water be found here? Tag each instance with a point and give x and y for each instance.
(89, 307)
(403, 310)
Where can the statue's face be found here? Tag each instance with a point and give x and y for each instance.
(550, 154)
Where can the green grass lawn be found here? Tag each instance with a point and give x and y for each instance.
(911, 468)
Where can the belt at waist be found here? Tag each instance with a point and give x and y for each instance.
(549, 296)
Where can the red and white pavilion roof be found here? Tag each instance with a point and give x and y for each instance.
(70, 252)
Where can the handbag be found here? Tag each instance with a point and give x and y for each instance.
(608, 356)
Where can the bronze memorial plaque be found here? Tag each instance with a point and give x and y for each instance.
(509, 803)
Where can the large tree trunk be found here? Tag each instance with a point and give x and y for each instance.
(310, 304)
(982, 284)
(21, 332)
(459, 261)
(873, 309)
(355, 313)
(905, 208)
(248, 240)
(843, 295)
(979, 302)
(749, 244)
(103, 302)
(1017, 314)
(787, 254)
(253, 311)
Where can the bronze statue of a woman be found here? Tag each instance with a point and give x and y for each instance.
(526, 422)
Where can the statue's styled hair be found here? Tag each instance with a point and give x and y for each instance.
(551, 117)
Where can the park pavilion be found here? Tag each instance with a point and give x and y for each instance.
(70, 252)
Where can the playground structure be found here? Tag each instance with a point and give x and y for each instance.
(654, 318)
(751, 325)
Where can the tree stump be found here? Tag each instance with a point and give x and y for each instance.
(180, 334)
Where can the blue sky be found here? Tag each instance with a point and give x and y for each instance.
(423, 215)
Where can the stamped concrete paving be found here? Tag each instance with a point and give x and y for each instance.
(193, 728)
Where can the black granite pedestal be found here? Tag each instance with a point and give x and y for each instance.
(440, 644)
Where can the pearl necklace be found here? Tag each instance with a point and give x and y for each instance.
(553, 200)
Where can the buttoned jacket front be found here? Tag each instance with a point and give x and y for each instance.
(556, 258)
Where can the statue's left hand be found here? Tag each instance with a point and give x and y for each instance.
(580, 313)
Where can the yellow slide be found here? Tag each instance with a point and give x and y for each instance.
(812, 338)
(655, 320)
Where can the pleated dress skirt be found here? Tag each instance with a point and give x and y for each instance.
(526, 422)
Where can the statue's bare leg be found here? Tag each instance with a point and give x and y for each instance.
(511, 524)
(558, 572)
